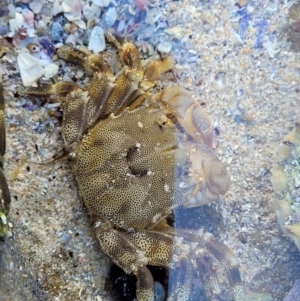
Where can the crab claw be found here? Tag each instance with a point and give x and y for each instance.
(189, 114)
(208, 172)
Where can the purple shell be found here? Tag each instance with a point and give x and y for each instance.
(48, 45)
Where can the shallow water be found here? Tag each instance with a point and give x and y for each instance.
(241, 63)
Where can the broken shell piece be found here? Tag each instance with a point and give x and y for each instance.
(80, 23)
(33, 48)
(91, 11)
(72, 6)
(97, 40)
(57, 32)
(16, 23)
(56, 8)
(72, 17)
(67, 6)
(37, 5)
(101, 3)
(71, 40)
(110, 16)
(28, 16)
(152, 16)
(30, 68)
(50, 70)
(141, 4)
(164, 47)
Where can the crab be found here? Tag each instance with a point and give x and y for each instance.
(136, 157)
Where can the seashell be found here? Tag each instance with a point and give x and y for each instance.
(152, 16)
(121, 25)
(30, 69)
(72, 6)
(72, 17)
(101, 3)
(56, 8)
(37, 5)
(97, 40)
(50, 70)
(12, 10)
(110, 16)
(164, 47)
(44, 59)
(33, 48)
(91, 23)
(91, 11)
(28, 16)
(57, 32)
(80, 23)
(16, 23)
(141, 4)
(31, 32)
(71, 40)
(67, 6)
(47, 45)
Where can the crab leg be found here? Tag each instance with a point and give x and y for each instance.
(171, 247)
(49, 90)
(222, 253)
(127, 255)
(4, 190)
(89, 62)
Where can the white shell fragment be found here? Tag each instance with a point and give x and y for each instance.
(56, 8)
(50, 70)
(101, 3)
(16, 23)
(97, 40)
(72, 17)
(67, 6)
(110, 16)
(30, 68)
(37, 5)
(91, 11)
(164, 47)
(80, 23)
(152, 16)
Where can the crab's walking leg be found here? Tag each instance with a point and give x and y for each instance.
(47, 90)
(222, 253)
(89, 62)
(151, 72)
(127, 255)
(4, 190)
(134, 81)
